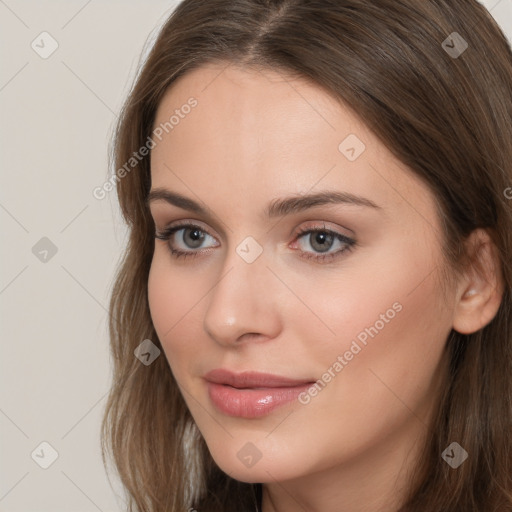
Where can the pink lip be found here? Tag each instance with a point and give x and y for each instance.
(251, 394)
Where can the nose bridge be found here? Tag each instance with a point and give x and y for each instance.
(240, 301)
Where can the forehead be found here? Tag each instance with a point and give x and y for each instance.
(259, 134)
(257, 99)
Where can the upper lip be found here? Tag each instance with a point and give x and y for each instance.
(251, 379)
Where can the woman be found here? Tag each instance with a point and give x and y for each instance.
(317, 279)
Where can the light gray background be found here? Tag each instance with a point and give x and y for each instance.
(56, 119)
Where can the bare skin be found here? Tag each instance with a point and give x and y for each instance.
(252, 138)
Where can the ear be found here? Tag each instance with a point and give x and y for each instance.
(480, 291)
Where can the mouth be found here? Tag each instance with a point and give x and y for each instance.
(252, 394)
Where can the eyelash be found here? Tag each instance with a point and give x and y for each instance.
(166, 234)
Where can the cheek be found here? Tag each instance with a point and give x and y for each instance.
(172, 296)
(160, 297)
(388, 363)
(389, 323)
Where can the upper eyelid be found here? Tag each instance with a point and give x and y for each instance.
(184, 220)
(178, 225)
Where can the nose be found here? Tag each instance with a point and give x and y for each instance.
(243, 304)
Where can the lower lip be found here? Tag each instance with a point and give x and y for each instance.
(251, 403)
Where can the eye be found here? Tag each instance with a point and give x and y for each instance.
(322, 240)
(183, 240)
(192, 237)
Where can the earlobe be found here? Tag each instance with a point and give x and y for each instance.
(481, 289)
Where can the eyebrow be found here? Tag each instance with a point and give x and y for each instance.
(276, 207)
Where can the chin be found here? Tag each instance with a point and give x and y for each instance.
(253, 463)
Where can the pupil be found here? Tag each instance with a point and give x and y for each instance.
(196, 237)
(322, 239)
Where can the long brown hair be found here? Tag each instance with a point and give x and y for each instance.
(447, 116)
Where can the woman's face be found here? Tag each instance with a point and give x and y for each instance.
(343, 292)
